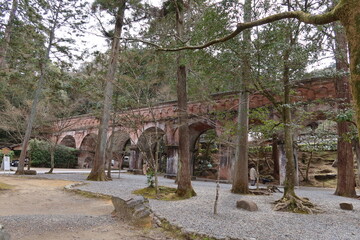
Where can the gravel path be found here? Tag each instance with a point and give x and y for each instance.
(33, 224)
(196, 214)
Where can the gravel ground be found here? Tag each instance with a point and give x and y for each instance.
(196, 214)
(33, 224)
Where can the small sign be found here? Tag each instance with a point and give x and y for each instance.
(6, 162)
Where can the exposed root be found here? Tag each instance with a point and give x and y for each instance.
(185, 193)
(296, 204)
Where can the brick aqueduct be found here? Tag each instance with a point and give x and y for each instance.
(81, 132)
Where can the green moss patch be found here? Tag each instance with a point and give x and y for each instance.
(4, 186)
(165, 193)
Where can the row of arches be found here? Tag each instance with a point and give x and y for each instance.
(132, 151)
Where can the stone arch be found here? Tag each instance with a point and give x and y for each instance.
(87, 151)
(88, 162)
(197, 130)
(150, 140)
(120, 151)
(68, 141)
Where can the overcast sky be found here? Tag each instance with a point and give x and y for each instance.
(93, 36)
(98, 43)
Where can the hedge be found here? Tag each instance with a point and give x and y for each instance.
(65, 157)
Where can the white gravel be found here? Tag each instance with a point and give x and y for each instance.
(196, 214)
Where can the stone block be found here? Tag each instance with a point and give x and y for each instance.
(138, 200)
(346, 206)
(247, 205)
(137, 210)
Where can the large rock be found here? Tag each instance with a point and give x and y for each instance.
(346, 206)
(137, 210)
(247, 205)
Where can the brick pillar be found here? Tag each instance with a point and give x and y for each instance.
(172, 159)
(226, 162)
(134, 157)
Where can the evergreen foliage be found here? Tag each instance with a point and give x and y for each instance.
(65, 157)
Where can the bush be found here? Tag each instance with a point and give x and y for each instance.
(65, 157)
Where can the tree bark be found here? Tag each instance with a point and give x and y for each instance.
(240, 180)
(348, 11)
(275, 157)
(38, 91)
(111, 149)
(98, 171)
(356, 147)
(52, 156)
(306, 178)
(7, 34)
(290, 167)
(184, 188)
(346, 176)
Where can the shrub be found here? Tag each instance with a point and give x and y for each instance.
(65, 157)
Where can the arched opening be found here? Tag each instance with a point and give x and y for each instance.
(68, 141)
(151, 145)
(120, 149)
(205, 159)
(317, 154)
(203, 150)
(88, 162)
(87, 151)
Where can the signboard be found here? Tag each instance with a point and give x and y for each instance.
(6, 162)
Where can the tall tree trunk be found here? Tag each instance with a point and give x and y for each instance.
(98, 171)
(290, 201)
(240, 179)
(184, 188)
(346, 176)
(52, 155)
(38, 91)
(275, 157)
(356, 147)
(348, 11)
(156, 159)
(290, 167)
(111, 149)
(7, 34)
(306, 178)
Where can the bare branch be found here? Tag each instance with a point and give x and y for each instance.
(143, 41)
(301, 16)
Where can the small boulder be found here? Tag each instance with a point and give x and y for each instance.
(346, 206)
(247, 205)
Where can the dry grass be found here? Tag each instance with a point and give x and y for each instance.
(4, 186)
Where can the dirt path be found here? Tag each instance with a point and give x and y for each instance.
(40, 209)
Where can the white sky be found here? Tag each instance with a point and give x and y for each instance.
(95, 42)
